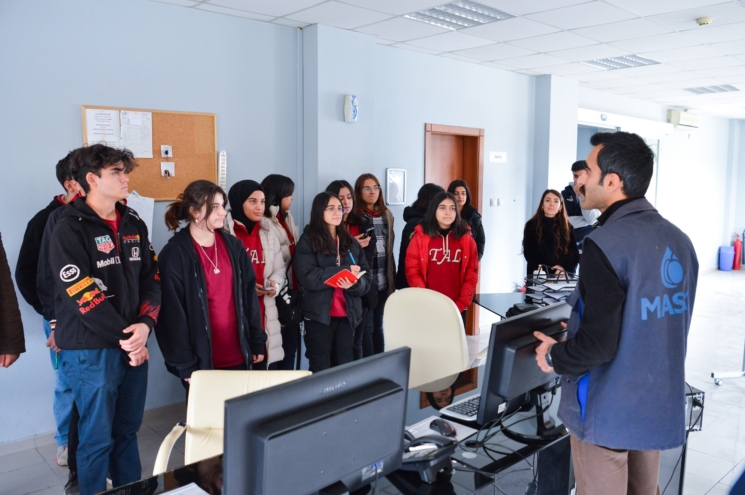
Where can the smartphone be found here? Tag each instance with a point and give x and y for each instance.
(368, 232)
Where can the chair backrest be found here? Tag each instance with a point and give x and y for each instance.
(205, 415)
(431, 325)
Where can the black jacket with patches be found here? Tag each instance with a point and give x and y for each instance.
(183, 331)
(104, 283)
(28, 258)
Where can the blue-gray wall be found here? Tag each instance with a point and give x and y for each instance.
(58, 56)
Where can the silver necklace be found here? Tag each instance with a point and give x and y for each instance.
(214, 265)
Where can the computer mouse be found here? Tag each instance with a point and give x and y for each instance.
(442, 427)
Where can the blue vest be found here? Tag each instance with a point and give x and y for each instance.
(637, 400)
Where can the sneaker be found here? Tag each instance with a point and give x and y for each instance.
(62, 455)
(72, 488)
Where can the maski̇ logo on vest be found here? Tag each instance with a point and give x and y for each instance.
(672, 274)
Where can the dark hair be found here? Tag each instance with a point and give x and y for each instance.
(380, 207)
(425, 195)
(196, 195)
(628, 156)
(561, 224)
(430, 225)
(94, 158)
(276, 187)
(320, 237)
(335, 187)
(62, 169)
(461, 183)
(579, 166)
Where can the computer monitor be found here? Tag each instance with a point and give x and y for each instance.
(334, 431)
(512, 378)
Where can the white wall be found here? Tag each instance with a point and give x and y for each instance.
(694, 172)
(413, 89)
(58, 56)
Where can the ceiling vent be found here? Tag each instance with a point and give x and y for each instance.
(707, 90)
(683, 120)
(624, 62)
(459, 15)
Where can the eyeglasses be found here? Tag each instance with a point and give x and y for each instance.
(371, 189)
(332, 209)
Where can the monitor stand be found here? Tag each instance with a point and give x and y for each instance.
(546, 429)
(337, 488)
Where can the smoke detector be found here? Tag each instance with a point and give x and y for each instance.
(704, 21)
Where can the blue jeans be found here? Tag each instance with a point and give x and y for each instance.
(63, 398)
(110, 396)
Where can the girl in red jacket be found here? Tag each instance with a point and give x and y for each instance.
(442, 255)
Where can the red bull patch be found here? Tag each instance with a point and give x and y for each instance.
(88, 296)
(74, 289)
(104, 244)
(93, 302)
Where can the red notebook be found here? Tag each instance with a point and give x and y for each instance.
(332, 281)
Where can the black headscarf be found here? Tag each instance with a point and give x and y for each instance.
(238, 195)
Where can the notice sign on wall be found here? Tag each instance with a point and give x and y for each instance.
(103, 127)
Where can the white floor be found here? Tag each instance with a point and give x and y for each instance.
(716, 455)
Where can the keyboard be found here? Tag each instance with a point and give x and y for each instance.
(466, 409)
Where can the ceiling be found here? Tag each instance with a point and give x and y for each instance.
(555, 37)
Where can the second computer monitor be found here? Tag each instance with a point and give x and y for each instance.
(511, 369)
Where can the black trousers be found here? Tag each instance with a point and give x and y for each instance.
(290, 344)
(326, 342)
(72, 441)
(373, 339)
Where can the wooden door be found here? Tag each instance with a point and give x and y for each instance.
(452, 153)
(456, 153)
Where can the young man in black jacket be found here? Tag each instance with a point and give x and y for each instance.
(26, 275)
(106, 302)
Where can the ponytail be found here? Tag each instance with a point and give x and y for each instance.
(195, 196)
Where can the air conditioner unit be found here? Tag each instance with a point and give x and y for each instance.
(683, 120)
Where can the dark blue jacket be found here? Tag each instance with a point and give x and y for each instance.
(636, 401)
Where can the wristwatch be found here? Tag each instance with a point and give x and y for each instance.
(549, 361)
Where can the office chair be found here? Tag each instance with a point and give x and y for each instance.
(205, 414)
(430, 324)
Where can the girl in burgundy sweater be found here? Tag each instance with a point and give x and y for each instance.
(442, 255)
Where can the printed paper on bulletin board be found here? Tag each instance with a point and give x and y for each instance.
(193, 138)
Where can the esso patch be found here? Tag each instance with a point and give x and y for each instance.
(69, 273)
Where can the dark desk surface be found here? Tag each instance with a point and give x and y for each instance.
(499, 303)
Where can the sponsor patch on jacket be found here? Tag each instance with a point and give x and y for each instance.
(95, 300)
(104, 244)
(69, 273)
(134, 254)
(74, 289)
(88, 296)
(131, 238)
(114, 260)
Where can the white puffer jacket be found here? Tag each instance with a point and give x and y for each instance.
(274, 271)
(279, 231)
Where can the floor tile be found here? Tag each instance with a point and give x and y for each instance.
(731, 478)
(707, 466)
(22, 459)
(28, 480)
(696, 485)
(52, 490)
(719, 489)
(723, 448)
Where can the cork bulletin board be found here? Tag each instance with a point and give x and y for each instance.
(193, 137)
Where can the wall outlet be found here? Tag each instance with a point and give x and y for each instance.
(497, 157)
(166, 151)
(492, 202)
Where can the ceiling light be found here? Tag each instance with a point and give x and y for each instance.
(624, 62)
(459, 15)
(706, 90)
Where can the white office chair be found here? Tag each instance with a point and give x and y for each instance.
(205, 415)
(430, 324)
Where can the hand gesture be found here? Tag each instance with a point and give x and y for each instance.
(363, 239)
(542, 350)
(139, 356)
(137, 341)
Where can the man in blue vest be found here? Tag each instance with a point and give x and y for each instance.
(622, 364)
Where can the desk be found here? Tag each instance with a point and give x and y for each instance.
(552, 462)
(499, 303)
